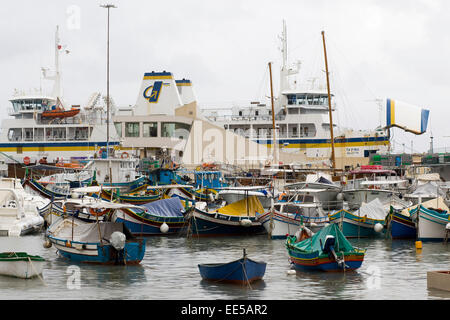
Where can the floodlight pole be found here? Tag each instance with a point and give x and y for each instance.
(107, 6)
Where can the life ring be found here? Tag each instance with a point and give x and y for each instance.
(26, 160)
(124, 155)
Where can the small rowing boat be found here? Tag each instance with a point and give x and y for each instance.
(20, 265)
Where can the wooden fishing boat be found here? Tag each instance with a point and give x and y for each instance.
(239, 218)
(141, 195)
(165, 216)
(368, 221)
(241, 271)
(327, 250)
(401, 225)
(96, 243)
(432, 224)
(60, 113)
(21, 265)
(286, 218)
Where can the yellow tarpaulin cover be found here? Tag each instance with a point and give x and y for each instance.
(437, 203)
(239, 208)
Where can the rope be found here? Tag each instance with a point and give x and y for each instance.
(37, 273)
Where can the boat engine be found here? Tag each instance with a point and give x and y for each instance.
(118, 240)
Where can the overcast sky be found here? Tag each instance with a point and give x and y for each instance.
(376, 49)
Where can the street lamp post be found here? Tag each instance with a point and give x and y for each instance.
(107, 6)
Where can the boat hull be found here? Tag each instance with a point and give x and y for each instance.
(150, 224)
(402, 227)
(356, 227)
(241, 271)
(280, 225)
(204, 224)
(431, 225)
(312, 261)
(95, 253)
(356, 197)
(21, 265)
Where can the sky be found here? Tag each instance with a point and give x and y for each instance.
(376, 49)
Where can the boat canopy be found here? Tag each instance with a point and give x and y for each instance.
(249, 205)
(171, 207)
(87, 232)
(316, 242)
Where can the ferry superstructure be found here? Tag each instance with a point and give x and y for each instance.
(302, 122)
(29, 137)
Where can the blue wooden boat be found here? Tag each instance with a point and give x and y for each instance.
(327, 250)
(96, 243)
(400, 225)
(236, 219)
(165, 216)
(241, 271)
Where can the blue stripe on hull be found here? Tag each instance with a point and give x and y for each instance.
(146, 229)
(134, 253)
(402, 231)
(202, 227)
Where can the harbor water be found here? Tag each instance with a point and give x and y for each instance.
(392, 270)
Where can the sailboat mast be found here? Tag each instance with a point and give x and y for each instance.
(333, 158)
(273, 114)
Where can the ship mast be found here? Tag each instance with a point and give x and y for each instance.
(275, 160)
(333, 159)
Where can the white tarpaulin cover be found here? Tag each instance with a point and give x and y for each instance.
(373, 210)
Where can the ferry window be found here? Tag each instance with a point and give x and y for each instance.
(256, 113)
(39, 134)
(150, 129)
(294, 131)
(118, 126)
(15, 134)
(28, 133)
(240, 113)
(175, 130)
(132, 129)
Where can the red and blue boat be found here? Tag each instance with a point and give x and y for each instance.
(327, 250)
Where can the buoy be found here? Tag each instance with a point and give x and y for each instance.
(47, 244)
(291, 272)
(340, 196)
(447, 227)
(164, 228)
(246, 222)
(378, 227)
(418, 244)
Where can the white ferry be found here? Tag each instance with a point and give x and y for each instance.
(302, 118)
(43, 129)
